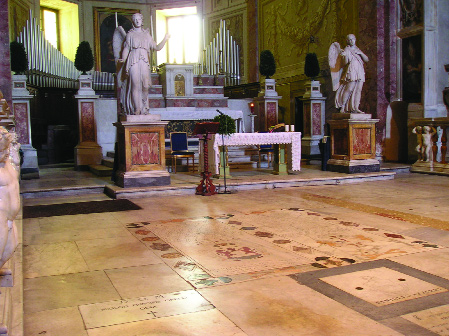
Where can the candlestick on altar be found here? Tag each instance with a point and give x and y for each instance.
(204, 35)
(238, 68)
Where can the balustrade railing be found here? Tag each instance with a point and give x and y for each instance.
(431, 145)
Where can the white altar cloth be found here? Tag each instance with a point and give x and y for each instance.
(248, 139)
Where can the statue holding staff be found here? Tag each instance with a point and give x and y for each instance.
(348, 74)
(132, 52)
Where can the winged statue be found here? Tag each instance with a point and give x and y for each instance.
(348, 74)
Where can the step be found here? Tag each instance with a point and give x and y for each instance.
(108, 162)
(100, 170)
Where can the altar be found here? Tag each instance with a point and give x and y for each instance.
(284, 140)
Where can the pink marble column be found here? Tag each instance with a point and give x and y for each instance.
(376, 37)
(5, 64)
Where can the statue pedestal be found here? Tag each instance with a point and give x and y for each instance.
(141, 152)
(353, 143)
(267, 106)
(88, 151)
(21, 107)
(313, 116)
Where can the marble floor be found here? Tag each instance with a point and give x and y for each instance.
(365, 258)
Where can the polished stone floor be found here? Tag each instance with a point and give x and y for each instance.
(362, 258)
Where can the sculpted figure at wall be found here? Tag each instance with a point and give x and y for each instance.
(132, 52)
(348, 74)
(9, 198)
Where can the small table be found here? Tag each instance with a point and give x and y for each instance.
(248, 139)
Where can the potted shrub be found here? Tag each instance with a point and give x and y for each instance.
(311, 66)
(84, 60)
(19, 59)
(267, 66)
(226, 127)
(227, 124)
(312, 70)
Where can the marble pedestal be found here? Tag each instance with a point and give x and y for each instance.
(267, 106)
(313, 116)
(88, 151)
(353, 145)
(141, 152)
(21, 107)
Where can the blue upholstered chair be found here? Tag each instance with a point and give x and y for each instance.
(179, 149)
(268, 150)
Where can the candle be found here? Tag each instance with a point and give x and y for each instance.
(292, 128)
(204, 34)
(151, 27)
(287, 128)
(116, 20)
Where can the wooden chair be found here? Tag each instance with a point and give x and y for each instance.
(268, 150)
(179, 149)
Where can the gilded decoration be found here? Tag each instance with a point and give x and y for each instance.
(288, 26)
(19, 13)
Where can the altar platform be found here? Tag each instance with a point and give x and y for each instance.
(63, 180)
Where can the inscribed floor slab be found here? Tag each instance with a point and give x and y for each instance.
(382, 286)
(142, 308)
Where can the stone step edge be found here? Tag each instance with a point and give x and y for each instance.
(116, 192)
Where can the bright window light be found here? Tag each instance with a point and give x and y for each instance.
(183, 24)
(50, 26)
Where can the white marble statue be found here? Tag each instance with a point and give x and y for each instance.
(427, 143)
(15, 152)
(132, 53)
(348, 74)
(9, 198)
(418, 131)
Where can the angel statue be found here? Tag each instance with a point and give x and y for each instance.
(348, 74)
(9, 198)
(132, 57)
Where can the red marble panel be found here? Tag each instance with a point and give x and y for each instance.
(220, 80)
(156, 103)
(87, 122)
(306, 118)
(316, 119)
(206, 80)
(145, 148)
(208, 90)
(5, 66)
(155, 90)
(180, 102)
(261, 116)
(155, 79)
(361, 141)
(271, 114)
(21, 118)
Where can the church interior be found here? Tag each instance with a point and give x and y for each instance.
(245, 193)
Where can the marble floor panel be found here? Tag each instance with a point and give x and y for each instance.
(118, 252)
(62, 321)
(279, 306)
(109, 313)
(67, 290)
(39, 261)
(313, 260)
(146, 280)
(203, 323)
(433, 262)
